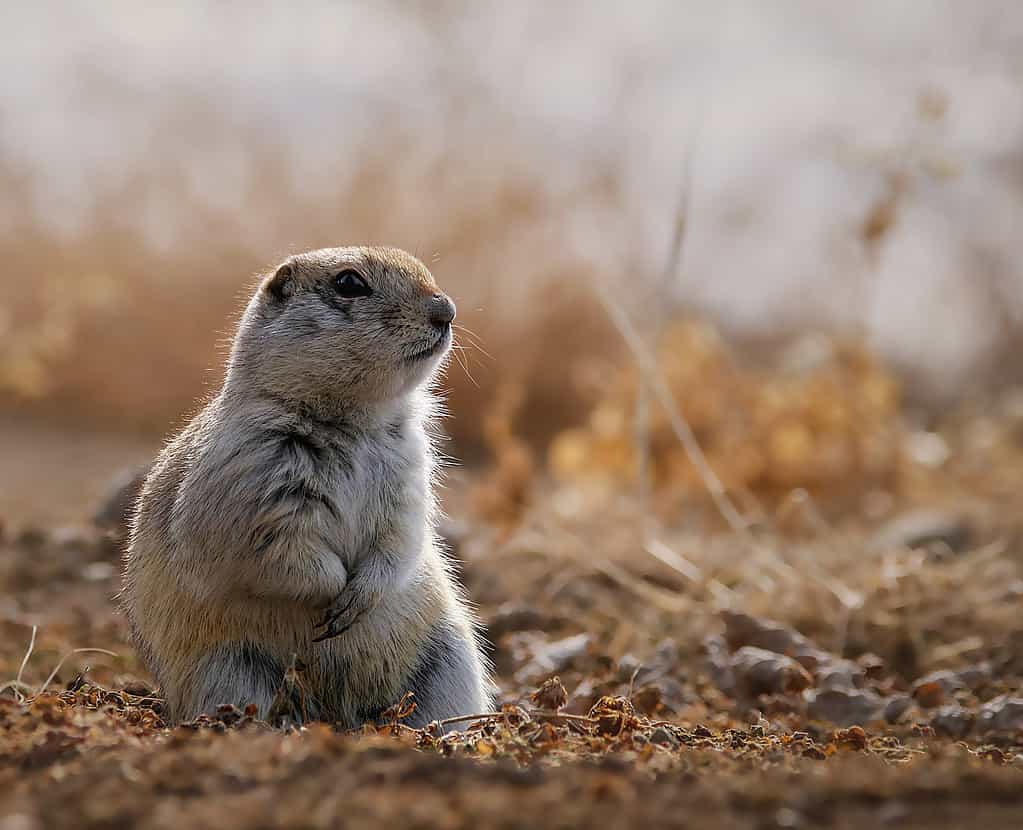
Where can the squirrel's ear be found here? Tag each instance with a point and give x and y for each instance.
(282, 284)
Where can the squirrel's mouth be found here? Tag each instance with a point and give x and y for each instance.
(440, 344)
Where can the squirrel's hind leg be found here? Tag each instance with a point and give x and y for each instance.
(244, 673)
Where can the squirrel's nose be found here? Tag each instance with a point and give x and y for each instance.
(442, 310)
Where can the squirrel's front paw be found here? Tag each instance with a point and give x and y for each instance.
(344, 612)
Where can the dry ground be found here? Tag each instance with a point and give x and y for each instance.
(852, 658)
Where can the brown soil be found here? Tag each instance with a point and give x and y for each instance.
(850, 660)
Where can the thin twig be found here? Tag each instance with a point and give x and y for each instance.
(464, 718)
(139, 698)
(680, 426)
(632, 681)
(28, 654)
(67, 657)
(674, 560)
(673, 262)
(17, 683)
(539, 713)
(662, 290)
(535, 713)
(677, 562)
(665, 600)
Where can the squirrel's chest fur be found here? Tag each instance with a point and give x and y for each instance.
(236, 504)
(287, 489)
(354, 493)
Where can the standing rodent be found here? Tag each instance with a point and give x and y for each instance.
(291, 523)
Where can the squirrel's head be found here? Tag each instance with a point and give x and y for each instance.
(344, 325)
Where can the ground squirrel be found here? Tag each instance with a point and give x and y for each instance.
(292, 521)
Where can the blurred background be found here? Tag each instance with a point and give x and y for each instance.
(856, 174)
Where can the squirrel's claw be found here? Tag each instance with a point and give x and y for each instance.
(341, 616)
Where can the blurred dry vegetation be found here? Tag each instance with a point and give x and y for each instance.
(165, 228)
(106, 311)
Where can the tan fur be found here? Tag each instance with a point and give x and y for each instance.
(304, 490)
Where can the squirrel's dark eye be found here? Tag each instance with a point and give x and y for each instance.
(350, 284)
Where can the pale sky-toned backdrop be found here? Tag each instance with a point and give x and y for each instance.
(796, 119)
